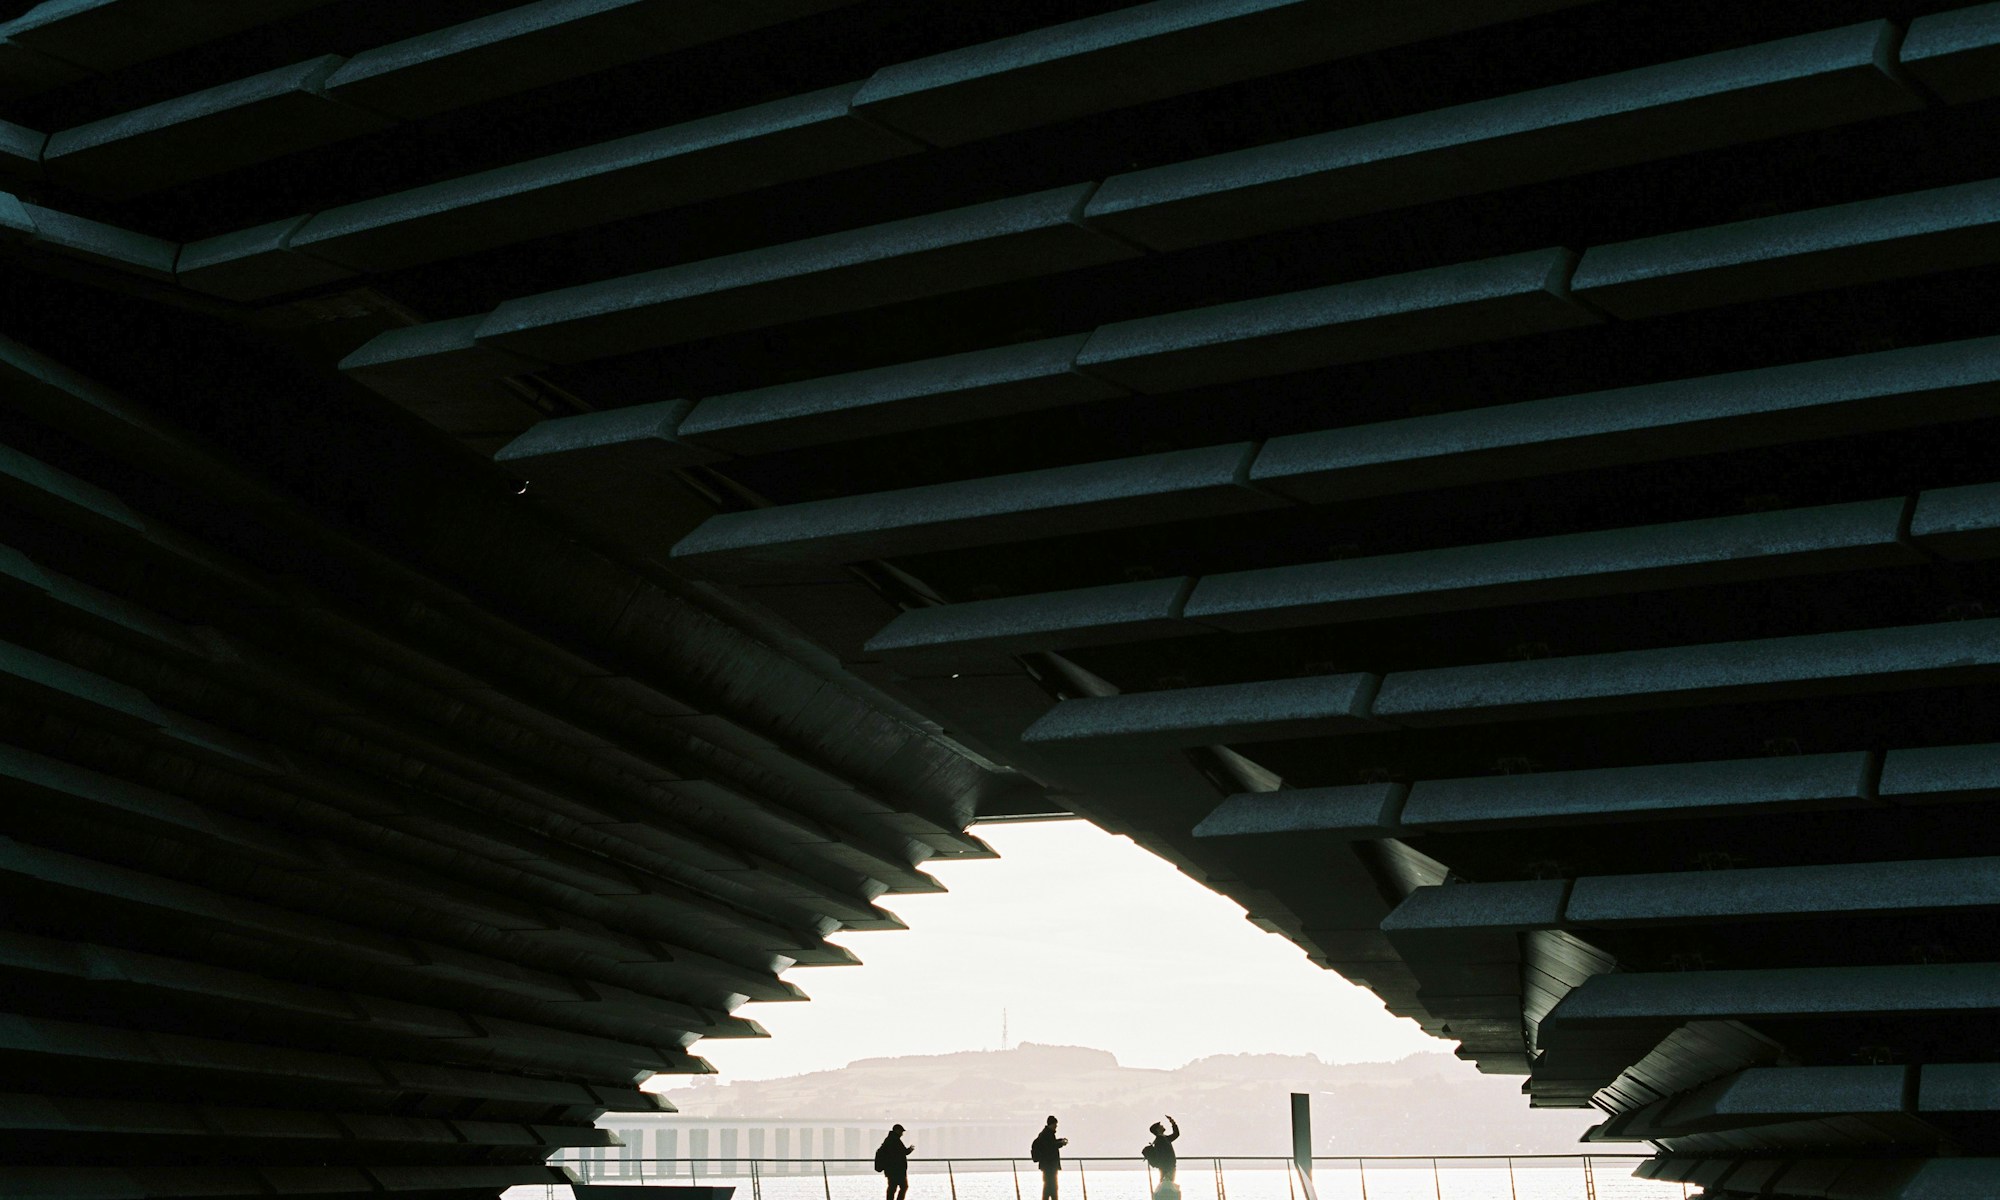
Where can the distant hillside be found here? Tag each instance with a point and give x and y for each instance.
(1227, 1103)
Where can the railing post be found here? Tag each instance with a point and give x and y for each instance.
(824, 1181)
(1437, 1181)
(1082, 1180)
(1361, 1168)
(1016, 1168)
(951, 1179)
(1512, 1194)
(1589, 1180)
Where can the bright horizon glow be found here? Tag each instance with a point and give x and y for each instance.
(1084, 939)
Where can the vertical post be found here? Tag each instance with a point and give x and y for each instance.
(951, 1179)
(1082, 1180)
(1512, 1194)
(1589, 1180)
(824, 1181)
(1437, 1184)
(1361, 1168)
(1017, 1177)
(1302, 1132)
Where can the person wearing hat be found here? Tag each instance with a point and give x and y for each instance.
(892, 1158)
(1047, 1153)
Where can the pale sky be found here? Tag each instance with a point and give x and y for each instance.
(1084, 939)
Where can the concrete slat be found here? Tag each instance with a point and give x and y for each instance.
(1735, 96)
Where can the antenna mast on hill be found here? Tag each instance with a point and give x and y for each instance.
(1003, 1029)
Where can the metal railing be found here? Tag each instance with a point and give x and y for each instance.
(1204, 1177)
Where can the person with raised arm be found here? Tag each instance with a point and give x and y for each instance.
(1159, 1154)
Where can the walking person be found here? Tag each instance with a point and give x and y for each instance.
(1047, 1153)
(1159, 1154)
(892, 1158)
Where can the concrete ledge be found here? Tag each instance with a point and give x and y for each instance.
(94, 242)
(1956, 54)
(1944, 229)
(1960, 522)
(530, 45)
(1020, 237)
(254, 263)
(208, 132)
(1713, 673)
(648, 172)
(1861, 393)
(440, 372)
(1052, 502)
(1829, 891)
(1049, 621)
(101, 36)
(1235, 712)
(1145, 52)
(602, 447)
(1348, 322)
(1724, 549)
(916, 395)
(1680, 996)
(1959, 1087)
(1667, 791)
(1785, 1092)
(1364, 810)
(1798, 83)
(1941, 774)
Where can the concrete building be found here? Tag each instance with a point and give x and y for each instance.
(519, 520)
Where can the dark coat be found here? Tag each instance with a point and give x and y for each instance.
(1047, 1150)
(893, 1155)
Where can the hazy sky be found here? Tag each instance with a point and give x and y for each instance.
(1084, 939)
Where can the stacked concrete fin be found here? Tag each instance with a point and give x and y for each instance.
(1506, 490)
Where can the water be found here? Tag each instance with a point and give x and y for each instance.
(1127, 1179)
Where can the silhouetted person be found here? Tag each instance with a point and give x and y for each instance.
(1047, 1153)
(892, 1158)
(1159, 1154)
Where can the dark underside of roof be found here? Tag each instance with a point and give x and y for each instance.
(519, 521)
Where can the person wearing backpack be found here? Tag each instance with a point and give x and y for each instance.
(1047, 1153)
(892, 1158)
(1159, 1155)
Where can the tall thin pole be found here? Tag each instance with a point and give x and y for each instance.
(1511, 1193)
(1016, 1167)
(1302, 1132)
(1437, 1184)
(951, 1179)
(824, 1181)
